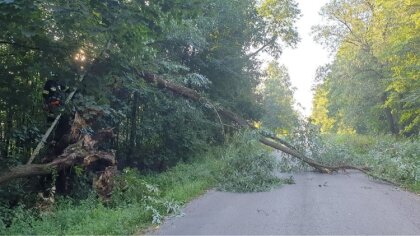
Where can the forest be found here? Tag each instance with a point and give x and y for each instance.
(115, 113)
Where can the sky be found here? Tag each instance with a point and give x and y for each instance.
(303, 61)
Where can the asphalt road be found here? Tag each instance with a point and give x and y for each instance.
(317, 204)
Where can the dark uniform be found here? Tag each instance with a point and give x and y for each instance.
(54, 97)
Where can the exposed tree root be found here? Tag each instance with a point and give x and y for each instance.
(83, 153)
(268, 140)
(75, 154)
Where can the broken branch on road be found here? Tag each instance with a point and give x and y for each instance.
(268, 140)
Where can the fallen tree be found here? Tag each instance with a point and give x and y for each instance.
(268, 140)
(84, 153)
(75, 154)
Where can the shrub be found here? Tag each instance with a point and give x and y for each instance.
(242, 165)
(248, 166)
(137, 201)
(397, 160)
(391, 158)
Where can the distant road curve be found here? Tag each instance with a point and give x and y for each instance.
(317, 204)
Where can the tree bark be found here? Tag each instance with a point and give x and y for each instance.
(68, 99)
(389, 117)
(7, 132)
(81, 153)
(283, 146)
(133, 121)
(321, 167)
(22, 171)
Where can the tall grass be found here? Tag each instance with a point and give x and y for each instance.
(139, 201)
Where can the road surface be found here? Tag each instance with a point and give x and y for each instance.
(317, 204)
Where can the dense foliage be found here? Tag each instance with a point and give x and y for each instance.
(169, 149)
(371, 89)
(249, 166)
(202, 44)
(279, 114)
(390, 158)
(373, 84)
(96, 48)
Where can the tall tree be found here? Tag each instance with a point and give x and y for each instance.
(278, 102)
(365, 87)
(97, 46)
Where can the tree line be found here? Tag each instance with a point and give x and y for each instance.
(373, 84)
(94, 48)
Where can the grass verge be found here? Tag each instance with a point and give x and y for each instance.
(138, 201)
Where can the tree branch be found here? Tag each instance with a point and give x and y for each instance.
(69, 98)
(283, 146)
(77, 153)
(263, 47)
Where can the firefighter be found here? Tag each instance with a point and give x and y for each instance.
(54, 94)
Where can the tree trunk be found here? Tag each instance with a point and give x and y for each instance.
(7, 132)
(79, 153)
(133, 121)
(132, 132)
(284, 147)
(393, 127)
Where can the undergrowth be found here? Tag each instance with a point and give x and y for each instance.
(242, 165)
(396, 159)
(391, 158)
(138, 201)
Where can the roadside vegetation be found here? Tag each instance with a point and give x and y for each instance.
(248, 166)
(367, 100)
(148, 101)
(140, 200)
(390, 158)
(137, 202)
(129, 137)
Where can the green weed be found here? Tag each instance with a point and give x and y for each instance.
(242, 165)
(137, 202)
(249, 167)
